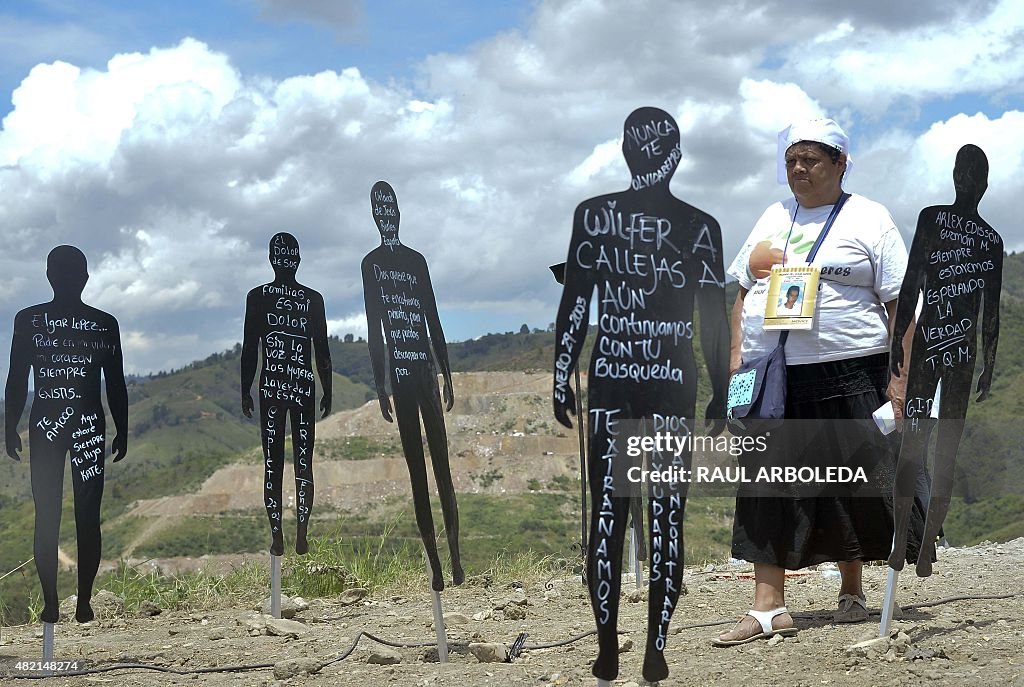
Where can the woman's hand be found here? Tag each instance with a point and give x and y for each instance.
(896, 392)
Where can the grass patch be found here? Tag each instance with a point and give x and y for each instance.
(209, 535)
(356, 448)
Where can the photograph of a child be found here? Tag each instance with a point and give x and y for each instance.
(792, 302)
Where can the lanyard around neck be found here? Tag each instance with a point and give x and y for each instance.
(824, 230)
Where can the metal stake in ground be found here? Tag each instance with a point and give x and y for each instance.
(634, 554)
(275, 586)
(47, 642)
(442, 637)
(889, 602)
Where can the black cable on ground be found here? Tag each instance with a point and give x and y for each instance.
(519, 644)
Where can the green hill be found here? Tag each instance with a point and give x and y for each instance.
(184, 424)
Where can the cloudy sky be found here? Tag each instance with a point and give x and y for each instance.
(170, 140)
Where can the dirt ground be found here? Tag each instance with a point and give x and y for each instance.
(948, 643)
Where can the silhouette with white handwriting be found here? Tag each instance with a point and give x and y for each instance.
(956, 267)
(67, 345)
(403, 328)
(285, 322)
(651, 258)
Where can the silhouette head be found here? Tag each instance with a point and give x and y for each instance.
(284, 254)
(650, 144)
(384, 204)
(67, 271)
(970, 173)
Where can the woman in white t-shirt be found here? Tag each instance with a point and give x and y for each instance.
(837, 370)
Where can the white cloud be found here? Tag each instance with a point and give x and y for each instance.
(172, 169)
(870, 68)
(354, 324)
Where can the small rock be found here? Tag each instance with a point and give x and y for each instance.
(625, 644)
(917, 653)
(217, 633)
(552, 594)
(709, 568)
(351, 596)
(288, 607)
(67, 607)
(704, 589)
(149, 609)
(255, 626)
(775, 640)
(630, 684)
(900, 640)
(173, 631)
(635, 596)
(280, 627)
(515, 613)
(384, 657)
(429, 655)
(483, 615)
(489, 652)
(107, 604)
(291, 667)
(878, 645)
(454, 619)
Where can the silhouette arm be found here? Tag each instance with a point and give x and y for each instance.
(990, 324)
(571, 325)
(714, 333)
(16, 393)
(322, 352)
(906, 305)
(250, 352)
(375, 337)
(117, 394)
(437, 342)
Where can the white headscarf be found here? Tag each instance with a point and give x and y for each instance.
(818, 130)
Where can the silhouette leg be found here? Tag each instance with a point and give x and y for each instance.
(47, 468)
(437, 441)
(952, 411)
(407, 415)
(608, 515)
(911, 462)
(272, 425)
(87, 480)
(666, 507)
(303, 437)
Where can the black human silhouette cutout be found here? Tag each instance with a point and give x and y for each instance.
(286, 324)
(402, 328)
(956, 267)
(651, 258)
(67, 345)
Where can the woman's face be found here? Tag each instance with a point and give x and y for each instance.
(791, 298)
(814, 179)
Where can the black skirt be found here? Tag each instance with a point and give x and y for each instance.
(796, 532)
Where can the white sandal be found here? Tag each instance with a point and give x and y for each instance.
(764, 618)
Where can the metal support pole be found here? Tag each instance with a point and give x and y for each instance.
(442, 637)
(888, 602)
(275, 586)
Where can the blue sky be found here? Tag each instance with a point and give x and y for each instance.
(171, 140)
(385, 40)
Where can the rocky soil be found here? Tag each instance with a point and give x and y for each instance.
(951, 642)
